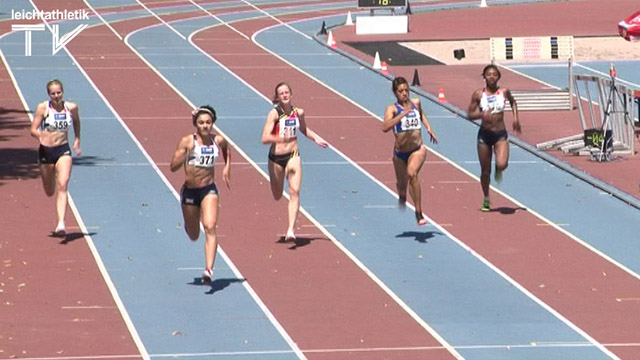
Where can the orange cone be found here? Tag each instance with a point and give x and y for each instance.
(331, 41)
(441, 97)
(384, 69)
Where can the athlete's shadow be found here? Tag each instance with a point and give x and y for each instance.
(507, 210)
(419, 236)
(299, 241)
(216, 284)
(69, 237)
(90, 160)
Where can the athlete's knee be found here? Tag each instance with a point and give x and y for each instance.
(49, 190)
(209, 229)
(193, 232)
(294, 193)
(277, 195)
(502, 165)
(61, 186)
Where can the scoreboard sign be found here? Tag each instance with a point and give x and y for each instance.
(371, 4)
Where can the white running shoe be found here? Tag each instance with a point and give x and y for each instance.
(290, 236)
(60, 230)
(207, 275)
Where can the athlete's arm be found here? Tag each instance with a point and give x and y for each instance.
(226, 155)
(180, 155)
(75, 115)
(391, 118)
(37, 120)
(514, 109)
(474, 111)
(267, 136)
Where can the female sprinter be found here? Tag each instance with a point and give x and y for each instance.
(51, 124)
(488, 104)
(405, 117)
(281, 129)
(198, 153)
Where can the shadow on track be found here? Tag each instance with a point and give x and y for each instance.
(70, 237)
(299, 241)
(419, 236)
(217, 284)
(507, 210)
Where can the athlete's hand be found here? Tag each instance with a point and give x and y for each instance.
(516, 127)
(76, 147)
(432, 135)
(226, 177)
(321, 143)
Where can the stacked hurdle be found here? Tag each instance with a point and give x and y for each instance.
(593, 94)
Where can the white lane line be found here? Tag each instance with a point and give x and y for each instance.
(161, 20)
(220, 20)
(103, 20)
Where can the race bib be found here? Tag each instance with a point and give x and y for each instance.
(410, 122)
(288, 128)
(207, 157)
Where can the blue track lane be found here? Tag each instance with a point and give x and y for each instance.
(440, 283)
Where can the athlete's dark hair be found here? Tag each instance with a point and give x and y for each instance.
(275, 92)
(204, 109)
(54, 82)
(395, 84)
(491, 66)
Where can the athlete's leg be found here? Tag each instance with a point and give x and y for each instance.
(209, 218)
(484, 155)
(48, 176)
(191, 216)
(294, 179)
(416, 160)
(501, 149)
(276, 178)
(63, 173)
(400, 168)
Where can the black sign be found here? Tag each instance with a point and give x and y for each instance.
(381, 3)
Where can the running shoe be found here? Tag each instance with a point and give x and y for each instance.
(207, 275)
(486, 205)
(290, 236)
(60, 230)
(421, 220)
